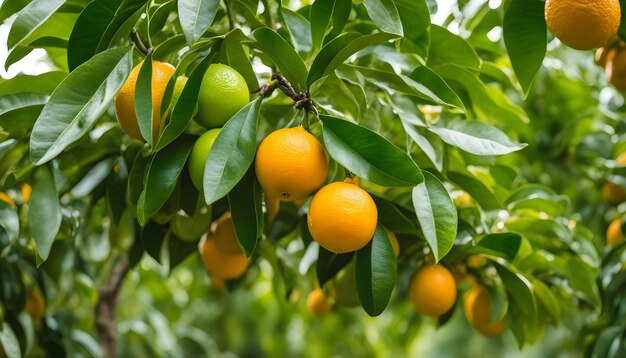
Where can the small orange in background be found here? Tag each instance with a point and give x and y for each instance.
(317, 303)
(26, 191)
(478, 312)
(290, 164)
(35, 304)
(616, 68)
(433, 290)
(223, 232)
(342, 217)
(395, 245)
(7, 199)
(614, 232)
(220, 264)
(613, 193)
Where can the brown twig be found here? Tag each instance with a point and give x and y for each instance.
(105, 308)
(301, 100)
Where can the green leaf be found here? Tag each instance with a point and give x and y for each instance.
(152, 237)
(196, 16)
(143, 100)
(376, 273)
(9, 342)
(12, 102)
(285, 57)
(30, 18)
(368, 155)
(476, 189)
(519, 289)
(233, 54)
(385, 15)
(415, 17)
(436, 214)
(476, 138)
(525, 37)
(10, 7)
(246, 206)
(77, 102)
(448, 48)
(394, 218)
(184, 107)
(162, 175)
(505, 245)
(299, 30)
(43, 83)
(329, 264)
(125, 19)
(325, 14)
(435, 83)
(44, 211)
(232, 153)
(9, 221)
(88, 30)
(339, 50)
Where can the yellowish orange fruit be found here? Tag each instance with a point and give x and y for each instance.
(125, 99)
(26, 191)
(35, 304)
(614, 232)
(342, 217)
(433, 290)
(621, 160)
(223, 232)
(290, 164)
(583, 24)
(478, 312)
(220, 264)
(395, 245)
(317, 303)
(7, 199)
(616, 68)
(613, 193)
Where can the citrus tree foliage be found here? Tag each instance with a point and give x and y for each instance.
(476, 156)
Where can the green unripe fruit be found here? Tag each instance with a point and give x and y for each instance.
(199, 155)
(223, 93)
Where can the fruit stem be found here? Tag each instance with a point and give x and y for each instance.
(301, 100)
(348, 174)
(134, 35)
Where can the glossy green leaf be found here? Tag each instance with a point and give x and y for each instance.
(88, 30)
(415, 17)
(436, 214)
(9, 342)
(232, 153)
(327, 16)
(196, 16)
(162, 175)
(519, 290)
(78, 102)
(285, 57)
(476, 138)
(329, 264)
(394, 218)
(44, 211)
(505, 245)
(477, 190)
(376, 273)
(30, 18)
(152, 238)
(448, 48)
(525, 38)
(10, 7)
(340, 49)
(385, 15)
(368, 155)
(22, 100)
(246, 206)
(143, 99)
(299, 30)
(233, 54)
(125, 19)
(43, 83)
(9, 221)
(429, 78)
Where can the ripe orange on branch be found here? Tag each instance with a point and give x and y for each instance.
(433, 290)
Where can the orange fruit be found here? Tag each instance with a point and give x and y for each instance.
(478, 312)
(476, 261)
(290, 164)
(613, 193)
(26, 191)
(317, 303)
(125, 99)
(614, 232)
(220, 264)
(223, 232)
(621, 160)
(223, 92)
(199, 155)
(7, 199)
(342, 217)
(35, 305)
(616, 68)
(583, 24)
(433, 290)
(463, 200)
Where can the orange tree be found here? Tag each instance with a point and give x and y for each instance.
(357, 139)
